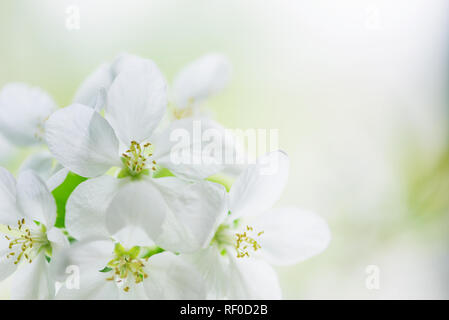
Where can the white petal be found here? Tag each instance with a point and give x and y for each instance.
(86, 207)
(136, 214)
(136, 292)
(32, 281)
(171, 277)
(23, 111)
(57, 238)
(7, 150)
(214, 269)
(91, 92)
(93, 286)
(191, 148)
(85, 255)
(8, 208)
(200, 79)
(90, 89)
(130, 62)
(82, 141)
(136, 103)
(252, 279)
(86, 259)
(196, 210)
(291, 235)
(35, 200)
(41, 163)
(57, 179)
(7, 266)
(259, 186)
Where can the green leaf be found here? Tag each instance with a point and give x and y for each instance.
(62, 194)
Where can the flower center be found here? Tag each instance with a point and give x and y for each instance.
(137, 156)
(182, 113)
(127, 267)
(40, 129)
(24, 242)
(245, 241)
(242, 242)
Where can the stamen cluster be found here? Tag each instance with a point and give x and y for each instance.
(245, 242)
(127, 266)
(137, 156)
(23, 242)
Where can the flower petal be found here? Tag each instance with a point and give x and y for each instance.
(7, 150)
(259, 186)
(196, 210)
(7, 266)
(86, 207)
(136, 292)
(136, 214)
(8, 208)
(57, 179)
(200, 79)
(93, 254)
(291, 235)
(171, 277)
(57, 238)
(130, 62)
(32, 281)
(85, 259)
(23, 111)
(93, 286)
(214, 268)
(89, 91)
(191, 148)
(252, 279)
(137, 102)
(41, 163)
(82, 141)
(35, 200)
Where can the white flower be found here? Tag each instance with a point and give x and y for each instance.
(252, 236)
(41, 163)
(119, 223)
(28, 235)
(202, 78)
(88, 144)
(23, 111)
(90, 92)
(199, 80)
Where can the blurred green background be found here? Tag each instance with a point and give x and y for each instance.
(357, 88)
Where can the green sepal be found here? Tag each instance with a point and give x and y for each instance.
(222, 179)
(162, 172)
(134, 252)
(106, 269)
(151, 251)
(119, 250)
(123, 174)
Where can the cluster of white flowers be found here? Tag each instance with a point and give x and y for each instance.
(137, 225)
